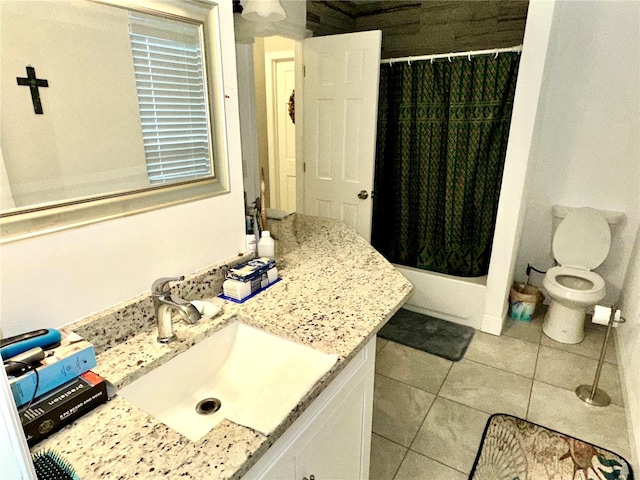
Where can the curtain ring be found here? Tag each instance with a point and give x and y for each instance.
(431, 60)
(469, 57)
(449, 58)
(496, 54)
(409, 61)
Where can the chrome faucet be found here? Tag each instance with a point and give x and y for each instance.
(166, 304)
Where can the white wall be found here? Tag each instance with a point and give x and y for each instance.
(522, 141)
(248, 121)
(6, 196)
(588, 152)
(56, 279)
(628, 342)
(84, 143)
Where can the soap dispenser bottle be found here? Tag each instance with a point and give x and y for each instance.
(266, 245)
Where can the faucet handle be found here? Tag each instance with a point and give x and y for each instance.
(161, 285)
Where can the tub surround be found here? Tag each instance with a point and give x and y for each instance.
(336, 292)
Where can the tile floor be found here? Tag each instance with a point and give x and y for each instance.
(429, 413)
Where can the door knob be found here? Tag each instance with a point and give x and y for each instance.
(363, 195)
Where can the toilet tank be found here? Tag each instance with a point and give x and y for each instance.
(559, 212)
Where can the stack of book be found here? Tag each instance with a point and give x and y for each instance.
(247, 279)
(63, 389)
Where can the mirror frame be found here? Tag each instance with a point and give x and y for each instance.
(26, 222)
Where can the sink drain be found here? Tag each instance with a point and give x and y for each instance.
(208, 406)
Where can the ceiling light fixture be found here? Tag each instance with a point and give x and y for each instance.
(263, 11)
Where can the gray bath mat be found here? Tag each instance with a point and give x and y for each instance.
(432, 335)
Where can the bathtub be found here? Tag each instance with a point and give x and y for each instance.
(456, 299)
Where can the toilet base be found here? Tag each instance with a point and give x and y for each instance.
(564, 324)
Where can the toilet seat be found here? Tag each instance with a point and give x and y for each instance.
(582, 239)
(554, 280)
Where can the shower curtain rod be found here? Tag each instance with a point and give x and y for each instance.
(493, 51)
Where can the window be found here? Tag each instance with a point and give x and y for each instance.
(168, 64)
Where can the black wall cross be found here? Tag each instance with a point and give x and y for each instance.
(33, 83)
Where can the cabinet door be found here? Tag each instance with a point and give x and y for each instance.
(339, 447)
(332, 439)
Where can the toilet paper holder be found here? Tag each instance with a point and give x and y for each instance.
(591, 394)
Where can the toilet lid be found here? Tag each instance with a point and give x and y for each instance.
(582, 239)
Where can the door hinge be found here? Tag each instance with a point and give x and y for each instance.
(304, 70)
(304, 167)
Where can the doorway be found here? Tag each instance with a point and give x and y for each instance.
(274, 75)
(335, 177)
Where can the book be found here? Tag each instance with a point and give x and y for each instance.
(73, 357)
(61, 406)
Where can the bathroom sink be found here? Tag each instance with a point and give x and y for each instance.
(241, 373)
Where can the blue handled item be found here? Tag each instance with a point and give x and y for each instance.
(44, 338)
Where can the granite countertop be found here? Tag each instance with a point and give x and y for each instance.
(335, 293)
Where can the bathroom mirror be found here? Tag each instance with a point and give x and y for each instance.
(108, 108)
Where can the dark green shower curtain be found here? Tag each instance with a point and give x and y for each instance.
(442, 138)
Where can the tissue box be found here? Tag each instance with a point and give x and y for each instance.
(251, 270)
(238, 290)
(62, 406)
(73, 357)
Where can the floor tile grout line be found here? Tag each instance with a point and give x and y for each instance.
(533, 379)
(504, 334)
(577, 353)
(537, 353)
(445, 378)
(423, 420)
(436, 396)
(403, 456)
(407, 384)
(395, 473)
(505, 412)
(496, 368)
(387, 438)
(568, 390)
(438, 461)
(467, 406)
(422, 424)
(431, 406)
(382, 347)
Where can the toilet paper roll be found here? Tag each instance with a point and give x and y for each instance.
(602, 314)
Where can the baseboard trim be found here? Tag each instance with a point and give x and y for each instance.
(630, 401)
(492, 324)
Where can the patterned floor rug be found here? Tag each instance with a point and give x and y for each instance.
(432, 335)
(515, 449)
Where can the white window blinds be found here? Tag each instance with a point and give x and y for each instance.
(167, 59)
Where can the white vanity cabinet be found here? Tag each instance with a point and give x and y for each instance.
(331, 440)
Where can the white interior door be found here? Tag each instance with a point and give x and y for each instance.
(280, 76)
(285, 135)
(340, 115)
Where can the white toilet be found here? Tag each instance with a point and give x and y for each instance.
(580, 243)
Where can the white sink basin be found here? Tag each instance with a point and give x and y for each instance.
(257, 377)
